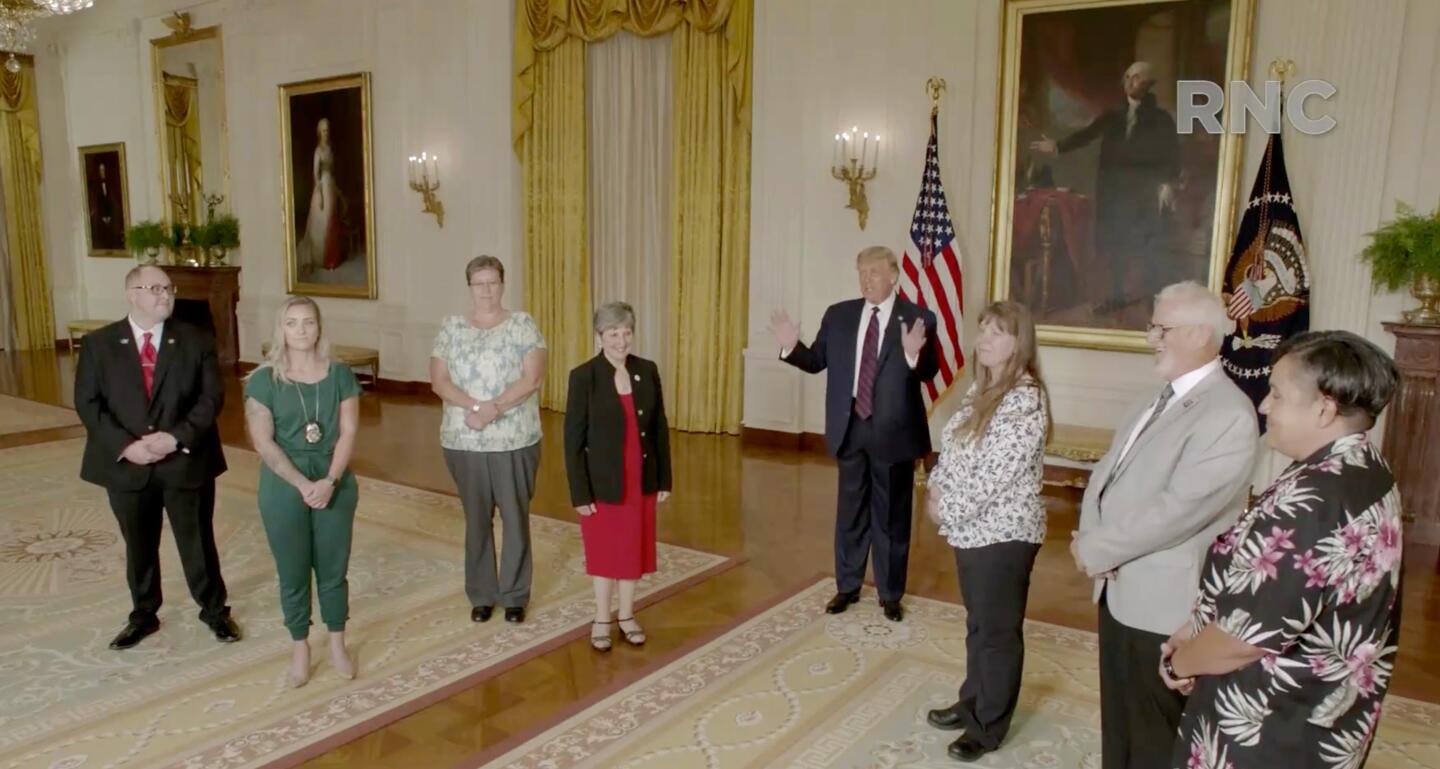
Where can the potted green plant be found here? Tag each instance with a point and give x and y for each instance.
(222, 234)
(146, 238)
(1405, 251)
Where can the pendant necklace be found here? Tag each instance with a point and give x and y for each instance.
(313, 433)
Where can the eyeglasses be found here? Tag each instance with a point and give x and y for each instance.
(487, 284)
(157, 289)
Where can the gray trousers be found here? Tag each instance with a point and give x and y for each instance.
(487, 480)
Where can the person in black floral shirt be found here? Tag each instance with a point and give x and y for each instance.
(1293, 638)
(985, 495)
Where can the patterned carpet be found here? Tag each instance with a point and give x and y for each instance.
(18, 415)
(794, 687)
(180, 698)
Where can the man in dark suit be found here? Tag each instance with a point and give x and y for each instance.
(877, 350)
(1135, 187)
(148, 390)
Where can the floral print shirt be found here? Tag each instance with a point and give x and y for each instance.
(1310, 574)
(484, 362)
(990, 488)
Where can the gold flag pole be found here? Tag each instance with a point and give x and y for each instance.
(933, 87)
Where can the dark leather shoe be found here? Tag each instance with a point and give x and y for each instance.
(481, 613)
(132, 634)
(225, 629)
(967, 749)
(841, 602)
(893, 612)
(514, 613)
(945, 718)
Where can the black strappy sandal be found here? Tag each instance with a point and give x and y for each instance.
(600, 643)
(633, 637)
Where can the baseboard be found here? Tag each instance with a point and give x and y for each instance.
(381, 385)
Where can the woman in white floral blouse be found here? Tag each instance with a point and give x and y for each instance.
(985, 494)
(488, 367)
(1293, 638)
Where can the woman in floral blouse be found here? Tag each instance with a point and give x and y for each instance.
(487, 367)
(1293, 639)
(985, 494)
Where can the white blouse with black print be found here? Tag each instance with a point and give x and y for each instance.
(989, 489)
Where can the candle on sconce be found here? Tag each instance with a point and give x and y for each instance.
(864, 148)
(434, 171)
(875, 160)
(844, 147)
(835, 155)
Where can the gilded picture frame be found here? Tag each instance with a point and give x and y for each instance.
(105, 191)
(1099, 201)
(328, 195)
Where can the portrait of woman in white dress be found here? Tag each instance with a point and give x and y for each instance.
(329, 198)
(322, 244)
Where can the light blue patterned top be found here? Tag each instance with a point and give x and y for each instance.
(484, 362)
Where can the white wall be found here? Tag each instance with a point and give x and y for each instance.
(825, 64)
(440, 74)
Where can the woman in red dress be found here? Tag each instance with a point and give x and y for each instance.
(617, 459)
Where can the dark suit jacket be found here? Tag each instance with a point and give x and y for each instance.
(595, 431)
(899, 410)
(110, 399)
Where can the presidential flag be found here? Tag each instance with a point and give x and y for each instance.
(1267, 282)
(930, 269)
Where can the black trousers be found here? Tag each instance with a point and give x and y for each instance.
(1139, 715)
(995, 585)
(872, 514)
(192, 517)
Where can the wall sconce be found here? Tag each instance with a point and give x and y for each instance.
(855, 163)
(424, 173)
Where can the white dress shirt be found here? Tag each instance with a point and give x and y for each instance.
(155, 332)
(1180, 386)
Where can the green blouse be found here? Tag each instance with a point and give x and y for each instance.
(295, 403)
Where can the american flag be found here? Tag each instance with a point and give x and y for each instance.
(930, 269)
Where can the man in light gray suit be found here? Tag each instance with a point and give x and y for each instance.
(1176, 476)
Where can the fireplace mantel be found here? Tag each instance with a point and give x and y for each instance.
(219, 288)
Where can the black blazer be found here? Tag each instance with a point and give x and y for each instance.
(899, 410)
(595, 431)
(110, 399)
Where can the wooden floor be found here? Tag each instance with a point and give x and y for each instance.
(774, 508)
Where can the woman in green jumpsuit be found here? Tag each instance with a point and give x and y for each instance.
(302, 410)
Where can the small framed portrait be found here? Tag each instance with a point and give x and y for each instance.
(107, 202)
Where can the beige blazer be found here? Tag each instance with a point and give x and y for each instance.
(1151, 516)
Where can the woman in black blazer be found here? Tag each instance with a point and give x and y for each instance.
(617, 458)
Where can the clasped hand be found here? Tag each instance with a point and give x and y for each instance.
(317, 494)
(151, 449)
(479, 420)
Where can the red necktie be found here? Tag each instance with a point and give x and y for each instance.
(147, 362)
(865, 390)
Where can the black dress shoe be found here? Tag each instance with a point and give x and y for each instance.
(132, 634)
(841, 602)
(893, 612)
(514, 613)
(945, 718)
(967, 748)
(225, 629)
(481, 613)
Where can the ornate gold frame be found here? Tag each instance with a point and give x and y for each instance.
(293, 284)
(96, 149)
(1237, 57)
(183, 33)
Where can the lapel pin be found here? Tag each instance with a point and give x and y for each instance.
(170, 341)
(637, 377)
(126, 340)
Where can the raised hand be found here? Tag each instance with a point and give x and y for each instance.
(786, 333)
(913, 340)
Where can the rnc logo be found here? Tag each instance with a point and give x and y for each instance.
(1266, 111)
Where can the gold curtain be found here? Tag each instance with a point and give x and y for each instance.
(20, 173)
(557, 260)
(182, 145)
(709, 273)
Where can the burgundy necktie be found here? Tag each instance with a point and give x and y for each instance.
(865, 391)
(147, 362)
